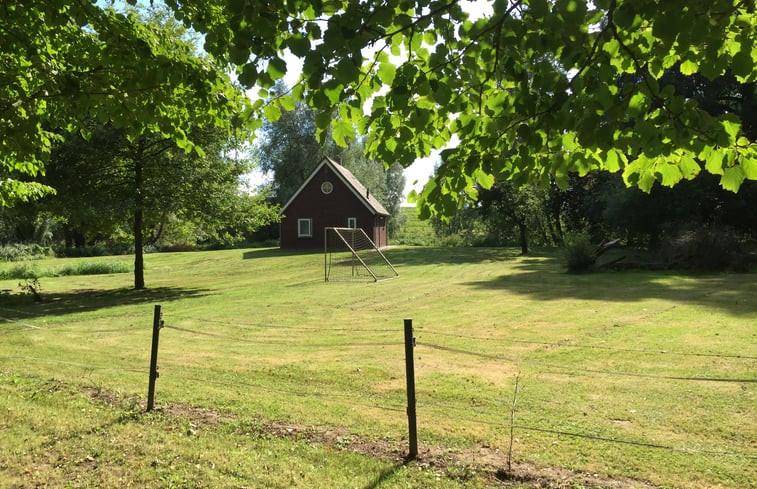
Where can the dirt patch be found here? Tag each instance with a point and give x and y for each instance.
(459, 464)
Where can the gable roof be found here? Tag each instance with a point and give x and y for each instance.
(350, 180)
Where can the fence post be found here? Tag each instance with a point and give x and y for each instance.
(157, 323)
(410, 373)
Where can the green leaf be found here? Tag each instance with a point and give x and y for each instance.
(277, 68)
(341, 131)
(611, 162)
(299, 45)
(749, 166)
(742, 64)
(715, 161)
(732, 128)
(272, 112)
(386, 73)
(287, 102)
(689, 167)
(485, 179)
(689, 67)
(249, 75)
(346, 71)
(323, 119)
(732, 178)
(670, 173)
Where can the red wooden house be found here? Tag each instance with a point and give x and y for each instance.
(330, 197)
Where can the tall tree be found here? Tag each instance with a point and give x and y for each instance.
(534, 212)
(109, 183)
(66, 62)
(288, 148)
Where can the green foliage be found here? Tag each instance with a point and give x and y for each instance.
(27, 270)
(23, 270)
(66, 63)
(578, 253)
(23, 251)
(707, 249)
(528, 93)
(96, 249)
(94, 268)
(414, 232)
(531, 93)
(522, 214)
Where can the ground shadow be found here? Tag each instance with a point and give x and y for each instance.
(276, 252)
(21, 306)
(385, 475)
(431, 256)
(546, 280)
(409, 256)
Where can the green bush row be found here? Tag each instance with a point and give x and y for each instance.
(24, 251)
(27, 270)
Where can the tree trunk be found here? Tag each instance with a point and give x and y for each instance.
(523, 237)
(139, 266)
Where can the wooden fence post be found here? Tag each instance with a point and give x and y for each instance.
(157, 323)
(410, 373)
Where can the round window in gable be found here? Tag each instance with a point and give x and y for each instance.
(327, 187)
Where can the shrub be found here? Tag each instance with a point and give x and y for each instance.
(97, 249)
(22, 251)
(22, 271)
(94, 268)
(579, 253)
(26, 271)
(706, 249)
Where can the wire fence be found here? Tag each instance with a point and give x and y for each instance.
(487, 412)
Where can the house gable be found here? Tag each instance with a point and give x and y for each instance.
(346, 176)
(330, 197)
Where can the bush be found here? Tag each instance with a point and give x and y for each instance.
(579, 253)
(21, 271)
(97, 249)
(26, 271)
(22, 251)
(706, 249)
(94, 268)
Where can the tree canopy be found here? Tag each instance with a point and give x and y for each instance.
(68, 62)
(531, 92)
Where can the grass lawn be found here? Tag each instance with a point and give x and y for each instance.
(271, 378)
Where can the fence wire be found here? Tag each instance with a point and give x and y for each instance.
(571, 369)
(438, 410)
(583, 346)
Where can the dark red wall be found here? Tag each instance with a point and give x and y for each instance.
(330, 210)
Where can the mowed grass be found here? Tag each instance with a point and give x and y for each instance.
(640, 376)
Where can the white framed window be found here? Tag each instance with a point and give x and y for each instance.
(352, 222)
(305, 228)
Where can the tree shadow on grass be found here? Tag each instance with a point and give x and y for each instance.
(546, 280)
(276, 253)
(21, 306)
(385, 475)
(433, 256)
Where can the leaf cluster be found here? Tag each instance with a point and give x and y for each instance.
(66, 63)
(528, 93)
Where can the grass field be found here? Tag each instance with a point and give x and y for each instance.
(271, 378)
